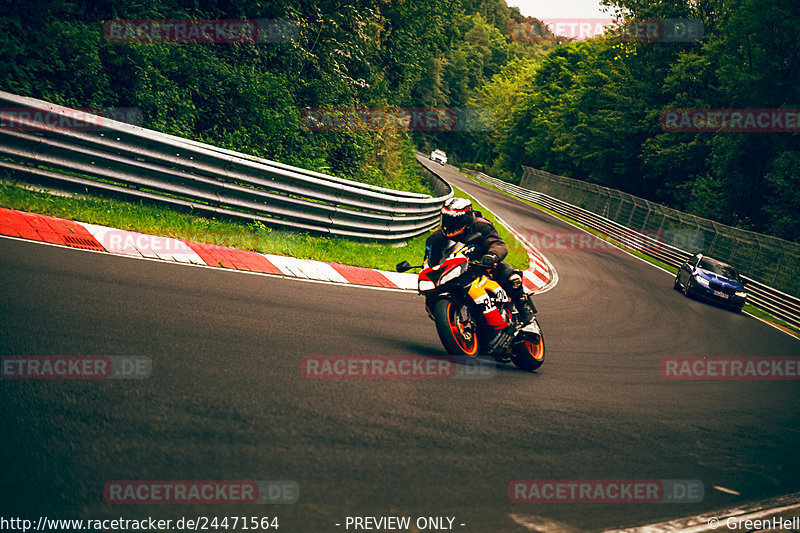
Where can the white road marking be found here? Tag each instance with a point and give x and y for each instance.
(542, 524)
(727, 491)
(306, 269)
(402, 279)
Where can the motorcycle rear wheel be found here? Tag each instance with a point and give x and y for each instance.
(456, 328)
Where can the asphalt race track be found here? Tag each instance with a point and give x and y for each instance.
(227, 400)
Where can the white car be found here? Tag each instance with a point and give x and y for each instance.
(440, 156)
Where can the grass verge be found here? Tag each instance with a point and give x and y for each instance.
(517, 255)
(748, 308)
(154, 219)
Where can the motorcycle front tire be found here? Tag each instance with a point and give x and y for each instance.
(459, 336)
(529, 356)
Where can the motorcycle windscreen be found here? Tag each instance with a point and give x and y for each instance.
(449, 270)
(442, 250)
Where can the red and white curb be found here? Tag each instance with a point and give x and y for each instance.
(104, 239)
(541, 276)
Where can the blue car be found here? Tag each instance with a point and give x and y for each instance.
(711, 280)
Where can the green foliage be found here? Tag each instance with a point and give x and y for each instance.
(243, 96)
(588, 109)
(783, 181)
(591, 110)
(476, 50)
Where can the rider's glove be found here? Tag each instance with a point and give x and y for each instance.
(489, 260)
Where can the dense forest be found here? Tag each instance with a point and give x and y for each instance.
(589, 109)
(251, 96)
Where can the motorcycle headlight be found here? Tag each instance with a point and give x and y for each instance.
(702, 281)
(425, 285)
(741, 294)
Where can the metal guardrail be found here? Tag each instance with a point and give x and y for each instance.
(120, 158)
(769, 260)
(780, 304)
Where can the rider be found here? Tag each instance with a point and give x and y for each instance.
(459, 221)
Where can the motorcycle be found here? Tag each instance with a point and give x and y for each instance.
(473, 314)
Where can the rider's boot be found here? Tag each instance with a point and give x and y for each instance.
(517, 294)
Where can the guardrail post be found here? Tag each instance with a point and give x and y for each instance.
(778, 268)
(663, 220)
(619, 209)
(755, 256)
(696, 233)
(733, 249)
(647, 216)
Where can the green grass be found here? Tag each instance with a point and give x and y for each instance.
(766, 317)
(160, 220)
(154, 219)
(748, 308)
(517, 256)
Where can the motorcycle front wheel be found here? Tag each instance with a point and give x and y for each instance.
(529, 355)
(456, 328)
